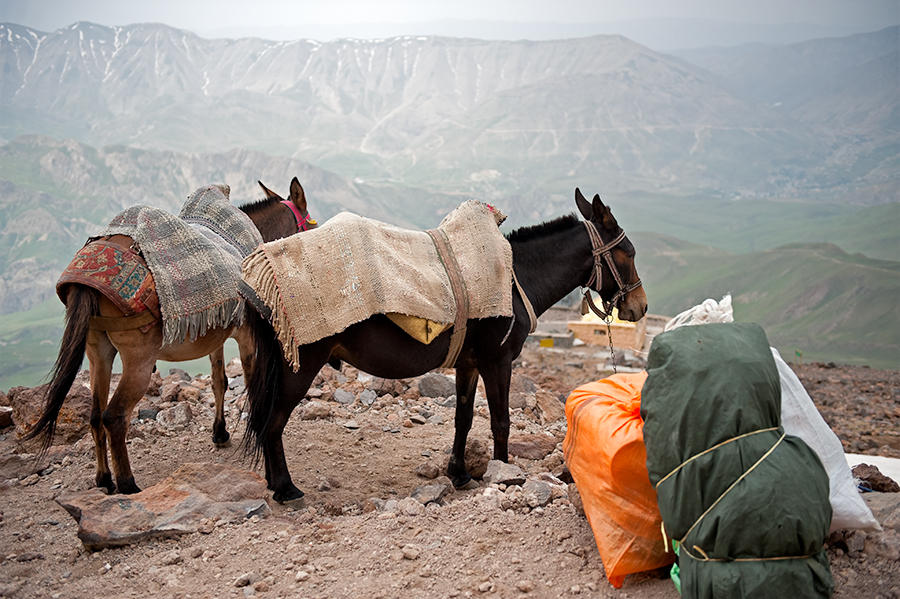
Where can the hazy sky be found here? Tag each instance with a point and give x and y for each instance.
(279, 19)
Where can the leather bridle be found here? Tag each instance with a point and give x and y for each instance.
(603, 251)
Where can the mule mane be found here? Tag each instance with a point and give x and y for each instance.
(257, 205)
(563, 223)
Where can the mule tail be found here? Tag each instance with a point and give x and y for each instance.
(263, 388)
(81, 304)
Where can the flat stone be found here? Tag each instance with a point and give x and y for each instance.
(433, 492)
(435, 384)
(410, 552)
(315, 410)
(532, 447)
(180, 504)
(502, 473)
(343, 397)
(417, 419)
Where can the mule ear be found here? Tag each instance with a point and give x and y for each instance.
(583, 205)
(604, 215)
(298, 197)
(269, 193)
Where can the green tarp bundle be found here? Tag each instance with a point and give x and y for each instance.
(748, 504)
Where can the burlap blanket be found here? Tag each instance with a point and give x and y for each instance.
(319, 283)
(195, 259)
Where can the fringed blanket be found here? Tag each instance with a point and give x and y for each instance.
(195, 259)
(319, 283)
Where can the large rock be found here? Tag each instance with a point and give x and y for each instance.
(74, 416)
(531, 447)
(185, 502)
(435, 384)
(502, 473)
(550, 407)
(175, 417)
(433, 492)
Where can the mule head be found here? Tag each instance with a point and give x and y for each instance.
(633, 305)
(302, 219)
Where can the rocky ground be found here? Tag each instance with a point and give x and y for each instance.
(377, 519)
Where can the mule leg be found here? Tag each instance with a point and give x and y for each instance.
(293, 389)
(219, 384)
(136, 370)
(466, 383)
(496, 385)
(100, 353)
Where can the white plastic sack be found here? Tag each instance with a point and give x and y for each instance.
(800, 418)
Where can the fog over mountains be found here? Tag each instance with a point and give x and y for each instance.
(492, 117)
(745, 148)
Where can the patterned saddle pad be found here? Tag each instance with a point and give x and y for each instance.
(118, 273)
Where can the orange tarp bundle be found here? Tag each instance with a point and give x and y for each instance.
(604, 449)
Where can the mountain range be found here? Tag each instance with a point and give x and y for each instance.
(740, 165)
(486, 117)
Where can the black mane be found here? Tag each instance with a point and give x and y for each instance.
(563, 223)
(257, 205)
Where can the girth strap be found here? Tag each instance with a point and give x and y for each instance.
(122, 323)
(460, 294)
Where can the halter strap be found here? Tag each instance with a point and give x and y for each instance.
(303, 222)
(604, 251)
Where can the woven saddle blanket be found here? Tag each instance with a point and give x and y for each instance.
(319, 283)
(195, 259)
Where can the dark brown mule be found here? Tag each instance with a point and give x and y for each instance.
(550, 260)
(274, 218)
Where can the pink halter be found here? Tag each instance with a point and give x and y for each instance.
(303, 222)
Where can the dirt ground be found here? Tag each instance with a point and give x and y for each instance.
(335, 545)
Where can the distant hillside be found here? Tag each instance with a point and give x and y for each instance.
(457, 115)
(54, 194)
(814, 298)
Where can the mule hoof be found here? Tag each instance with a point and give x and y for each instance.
(129, 487)
(223, 440)
(461, 480)
(105, 482)
(289, 494)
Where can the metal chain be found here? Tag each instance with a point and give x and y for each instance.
(612, 354)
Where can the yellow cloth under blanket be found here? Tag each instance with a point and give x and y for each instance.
(421, 329)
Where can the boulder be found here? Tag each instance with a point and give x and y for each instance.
(183, 503)
(502, 473)
(314, 410)
(74, 417)
(435, 384)
(549, 406)
(532, 447)
(433, 492)
(176, 416)
(537, 493)
(343, 397)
